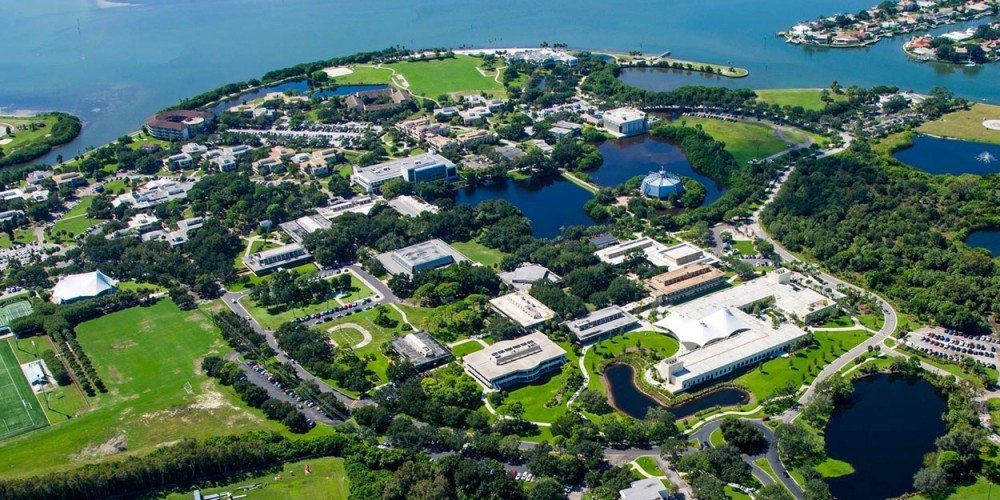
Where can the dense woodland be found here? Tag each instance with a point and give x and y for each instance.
(897, 231)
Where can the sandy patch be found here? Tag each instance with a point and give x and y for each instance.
(123, 345)
(336, 71)
(116, 444)
(990, 124)
(6, 141)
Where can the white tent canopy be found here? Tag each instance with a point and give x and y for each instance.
(715, 326)
(82, 286)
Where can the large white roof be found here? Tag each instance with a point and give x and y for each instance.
(715, 326)
(78, 286)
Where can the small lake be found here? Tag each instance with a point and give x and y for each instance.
(945, 156)
(628, 398)
(550, 204)
(301, 86)
(884, 432)
(666, 79)
(986, 238)
(632, 156)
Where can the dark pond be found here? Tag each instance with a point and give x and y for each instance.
(946, 156)
(884, 432)
(628, 398)
(987, 238)
(296, 85)
(632, 156)
(550, 205)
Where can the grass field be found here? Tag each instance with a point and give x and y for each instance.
(744, 246)
(839, 322)
(379, 336)
(63, 403)
(745, 141)
(982, 489)
(434, 78)
(832, 467)
(966, 124)
(10, 312)
(22, 137)
(648, 464)
(716, 439)
(75, 222)
(735, 494)
(273, 321)
(20, 410)
(801, 366)
(145, 355)
(536, 395)
(466, 348)
(326, 479)
(807, 98)
(480, 253)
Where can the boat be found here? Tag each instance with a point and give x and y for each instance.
(970, 65)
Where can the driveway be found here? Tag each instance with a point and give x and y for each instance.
(704, 433)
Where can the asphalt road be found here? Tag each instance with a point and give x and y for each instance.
(262, 381)
(704, 433)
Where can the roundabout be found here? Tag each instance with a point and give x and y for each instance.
(992, 124)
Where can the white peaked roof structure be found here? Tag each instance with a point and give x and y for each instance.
(82, 286)
(716, 326)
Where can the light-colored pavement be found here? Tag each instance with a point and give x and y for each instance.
(703, 435)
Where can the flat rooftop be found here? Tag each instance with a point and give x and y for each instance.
(683, 278)
(420, 253)
(522, 308)
(511, 356)
(420, 348)
(790, 298)
(600, 321)
(412, 206)
(656, 253)
(395, 168)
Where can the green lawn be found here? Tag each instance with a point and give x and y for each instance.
(841, 321)
(273, 321)
(649, 465)
(735, 494)
(63, 403)
(327, 479)
(480, 253)
(454, 76)
(744, 246)
(146, 356)
(466, 348)
(448, 76)
(716, 438)
(380, 335)
(20, 410)
(663, 345)
(873, 321)
(75, 222)
(832, 467)
(966, 124)
(802, 366)
(953, 368)
(22, 137)
(982, 489)
(536, 395)
(745, 141)
(807, 98)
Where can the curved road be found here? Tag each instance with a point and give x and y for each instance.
(704, 433)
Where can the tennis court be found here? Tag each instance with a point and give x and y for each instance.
(12, 311)
(19, 408)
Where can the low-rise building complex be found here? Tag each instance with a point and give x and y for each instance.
(513, 362)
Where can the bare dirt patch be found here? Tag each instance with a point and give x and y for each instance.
(118, 346)
(116, 444)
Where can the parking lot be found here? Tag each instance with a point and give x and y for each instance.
(954, 346)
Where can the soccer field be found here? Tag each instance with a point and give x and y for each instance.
(19, 409)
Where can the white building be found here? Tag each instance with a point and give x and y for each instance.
(285, 256)
(430, 254)
(526, 275)
(83, 286)
(512, 362)
(420, 168)
(626, 121)
(522, 309)
(602, 324)
(658, 254)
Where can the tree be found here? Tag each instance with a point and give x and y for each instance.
(930, 480)
(546, 488)
(773, 491)
(743, 435)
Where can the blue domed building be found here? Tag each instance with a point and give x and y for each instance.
(661, 184)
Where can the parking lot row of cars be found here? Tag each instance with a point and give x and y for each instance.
(337, 312)
(963, 345)
(300, 402)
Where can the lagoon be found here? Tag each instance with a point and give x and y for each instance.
(947, 156)
(114, 67)
(549, 204)
(300, 86)
(638, 156)
(987, 238)
(628, 398)
(884, 432)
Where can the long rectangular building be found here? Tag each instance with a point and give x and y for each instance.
(421, 168)
(415, 258)
(285, 256)
(512, 362)
(522, 309)
(602, 324)
(684, 282)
